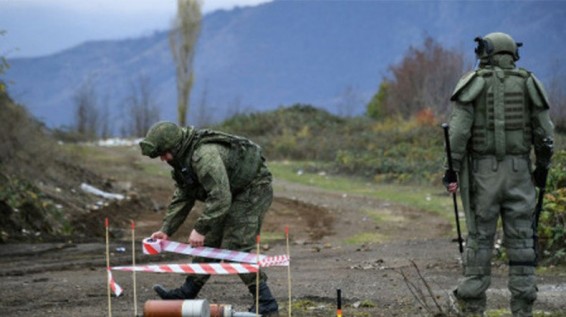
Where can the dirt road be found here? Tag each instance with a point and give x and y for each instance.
(69, 279)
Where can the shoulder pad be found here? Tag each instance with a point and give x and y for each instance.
(536, 91)
(468, 88)
(523, 72)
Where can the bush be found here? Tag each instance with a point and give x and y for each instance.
(552, 224)
(26, 213)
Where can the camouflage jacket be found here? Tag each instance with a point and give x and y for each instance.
(212, 167)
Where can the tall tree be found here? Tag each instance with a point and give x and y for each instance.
(376, 106)
(183, 39)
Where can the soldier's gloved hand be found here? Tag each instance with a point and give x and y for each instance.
(539, 176)
(196, 239)
(159, 235)
(449, 177)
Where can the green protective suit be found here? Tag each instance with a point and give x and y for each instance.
(229, 175)
(500, 112)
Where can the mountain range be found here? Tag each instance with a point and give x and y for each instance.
(331, 54)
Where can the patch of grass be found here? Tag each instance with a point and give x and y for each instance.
(554, 271)
(366, 238)
(303, 304)
(367, 304)
(380, 218)
(427, 198)
(268, 236)
(507, 313)
(93, 153)
(307, 307)
(153, 169)
(312, 308)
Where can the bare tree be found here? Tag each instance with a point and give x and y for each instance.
(235, 107)
(3, 67)
(424, 79)
(142, 107)
(86, 111)
(348, 102)
(202, 116)
(104, 116)
(182, 39)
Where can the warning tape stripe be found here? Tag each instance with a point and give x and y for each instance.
(116, 289)
(193, 268)
(156, 246)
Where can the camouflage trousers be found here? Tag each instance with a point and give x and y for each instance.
(240, 227)
(500, 189)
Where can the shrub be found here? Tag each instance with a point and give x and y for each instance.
(392, 149)
(552, 232)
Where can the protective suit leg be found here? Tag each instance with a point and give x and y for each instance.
(470, 294)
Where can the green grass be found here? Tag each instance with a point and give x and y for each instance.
(154, 168)
(507, 313)
(366, 238)
(93, 153)
(269, 236)
(430, 198)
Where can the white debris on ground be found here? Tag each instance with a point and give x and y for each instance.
(95, 191)
(118, 142)
(111, 142)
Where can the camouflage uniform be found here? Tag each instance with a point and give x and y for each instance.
(227, 173)
(500, 112)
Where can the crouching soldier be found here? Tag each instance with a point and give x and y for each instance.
(226, 172)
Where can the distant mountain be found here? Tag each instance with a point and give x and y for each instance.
(332, 54)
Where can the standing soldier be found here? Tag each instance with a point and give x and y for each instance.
(228, 173)
(500, 111)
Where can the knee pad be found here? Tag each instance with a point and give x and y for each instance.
(477, 260)
(521, 252)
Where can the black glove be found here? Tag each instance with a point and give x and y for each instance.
(539, 176)
(449, 177)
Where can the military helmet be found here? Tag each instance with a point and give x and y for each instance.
(161, 137)
(497, 43)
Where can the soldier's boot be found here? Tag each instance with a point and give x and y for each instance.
(522, 285)
(468, 307)
(267, 304)
(522, 308)
(523, 313)
(189, 290)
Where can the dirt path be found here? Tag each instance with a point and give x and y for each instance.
(328, 230)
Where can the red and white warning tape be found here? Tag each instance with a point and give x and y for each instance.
(116, 289)
(156, 246)
(194, 268)
(249, 261)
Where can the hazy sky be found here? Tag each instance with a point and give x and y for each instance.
(41, 27)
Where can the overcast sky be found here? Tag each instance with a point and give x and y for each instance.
(41, 27)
